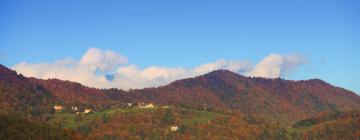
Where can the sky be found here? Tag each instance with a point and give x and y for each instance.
(135, 44)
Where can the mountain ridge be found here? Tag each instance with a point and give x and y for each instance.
(220, 90)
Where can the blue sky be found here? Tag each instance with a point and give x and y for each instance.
(188, 33)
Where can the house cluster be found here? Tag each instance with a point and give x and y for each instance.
(174, 128)
(75, 109)
(144, 105)
(123, 105)
(137, 105)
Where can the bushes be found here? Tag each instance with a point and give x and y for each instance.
(13, 126)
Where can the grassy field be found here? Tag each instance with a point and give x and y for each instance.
(201, 117)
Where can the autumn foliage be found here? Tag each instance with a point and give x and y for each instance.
(217, 105)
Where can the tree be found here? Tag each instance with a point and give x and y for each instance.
(105, 118)
(265, 134)
(168, 118)
(282, 135)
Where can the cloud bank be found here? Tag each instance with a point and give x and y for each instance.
(108, 69)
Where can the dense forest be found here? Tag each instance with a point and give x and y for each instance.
(217, 105)
(16, 126)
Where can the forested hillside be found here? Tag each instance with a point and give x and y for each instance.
(217, 105)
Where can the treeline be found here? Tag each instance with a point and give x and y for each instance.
(192, 124)
(334, 125)
(331, 126)
(14, 126)
(155, 124)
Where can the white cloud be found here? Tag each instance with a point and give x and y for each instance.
(64, 69)
(102, 60)
(131, 77)
(126, 76)
(274, 65)
(269, 67)
(235, 66)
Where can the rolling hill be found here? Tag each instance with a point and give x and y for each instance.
(219, 91)
(225, 90)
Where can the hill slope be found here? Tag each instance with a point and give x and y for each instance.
(220, 90)
(225, 90)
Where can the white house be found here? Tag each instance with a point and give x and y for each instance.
(58, 107)
(174, 128)
(74, 108)
(86, 111)
(150, 105)
(165, 107)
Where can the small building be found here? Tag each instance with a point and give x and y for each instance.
(129, 104)
(142, 105)
(86, 111)
(165, 107)
(174, 128)
(150, 105)
(58, 107)
(74, 108)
